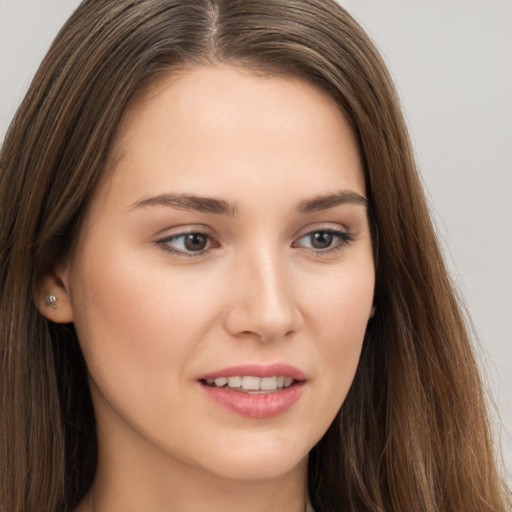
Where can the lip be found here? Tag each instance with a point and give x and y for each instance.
(258, 370)
(261, 405)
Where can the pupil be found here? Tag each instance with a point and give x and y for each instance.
(195, 241)
(322, 240)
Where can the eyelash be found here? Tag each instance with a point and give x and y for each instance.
(164, 243)
(344, 239)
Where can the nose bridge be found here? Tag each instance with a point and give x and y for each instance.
(263, 299)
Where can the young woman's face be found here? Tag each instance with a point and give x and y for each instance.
(224, 277)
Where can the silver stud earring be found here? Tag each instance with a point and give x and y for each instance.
(50, 301)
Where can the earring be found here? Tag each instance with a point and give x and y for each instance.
(50, 301)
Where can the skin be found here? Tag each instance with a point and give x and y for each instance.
(151, 321)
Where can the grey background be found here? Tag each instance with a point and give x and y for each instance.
(452, 62)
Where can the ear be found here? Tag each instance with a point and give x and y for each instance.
(372, 311)
(53, 299)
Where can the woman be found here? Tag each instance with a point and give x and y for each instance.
(220, 284)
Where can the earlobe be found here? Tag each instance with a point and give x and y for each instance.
(53, 301)
(372, 311)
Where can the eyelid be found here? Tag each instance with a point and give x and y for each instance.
(164, 242)
(345, 238)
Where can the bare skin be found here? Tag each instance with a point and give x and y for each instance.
(163, 291)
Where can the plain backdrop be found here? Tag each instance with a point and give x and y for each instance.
(452, 63)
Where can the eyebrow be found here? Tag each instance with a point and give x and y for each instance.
(189, 202)
(330, 201)
(222, 207)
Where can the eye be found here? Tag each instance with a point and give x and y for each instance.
(324, 241)
(192, 243)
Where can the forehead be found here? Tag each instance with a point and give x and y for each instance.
(218, 98)
(233, 124)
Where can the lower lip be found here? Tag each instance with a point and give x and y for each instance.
(264, 405)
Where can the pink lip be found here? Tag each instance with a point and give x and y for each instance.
(262, 405)
(257, 370)
(265, 405)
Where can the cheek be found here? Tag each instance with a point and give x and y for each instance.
(341, 313)
(341, 302)
(137, 321)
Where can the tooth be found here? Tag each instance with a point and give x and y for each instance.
(209, 381)
(220, 381)
(268, 383)
(249, 382)
(280, 381)
(234, 382)
(287, 381)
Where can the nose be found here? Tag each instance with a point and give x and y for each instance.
(262, 303)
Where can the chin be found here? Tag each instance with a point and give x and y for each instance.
(260, 470)
(266, 460)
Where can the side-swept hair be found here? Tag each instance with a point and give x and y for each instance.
(413, 433)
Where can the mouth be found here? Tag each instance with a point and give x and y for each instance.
(255, 391)
(251, 384)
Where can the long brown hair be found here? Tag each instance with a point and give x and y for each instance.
(413, 432)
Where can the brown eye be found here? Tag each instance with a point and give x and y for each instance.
(195, 241)
(324, 241)
(321, 239)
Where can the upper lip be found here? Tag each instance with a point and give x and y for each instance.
(257, 370)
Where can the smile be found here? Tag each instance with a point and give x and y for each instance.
(255, 390)
(252, 384)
